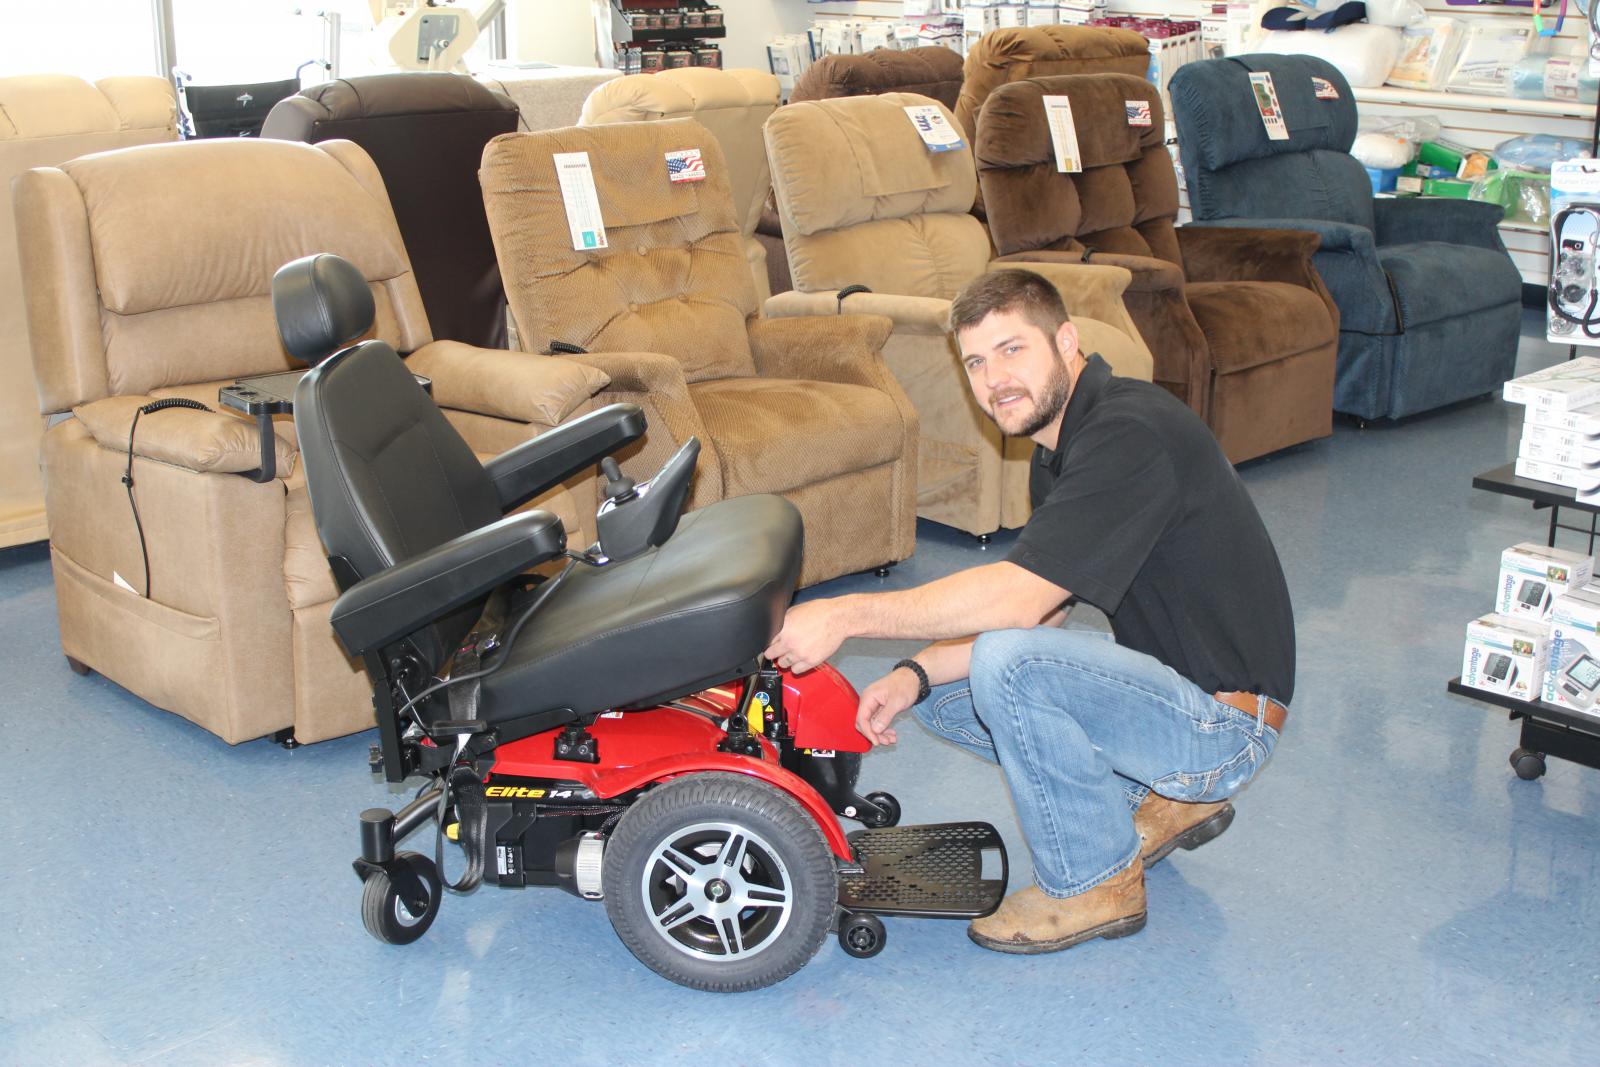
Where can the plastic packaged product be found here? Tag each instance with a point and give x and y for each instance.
(1487, 54)
(1538, 151)
(1427, 54)
(1410, 131)
(1554, 78)
(1380, 151)
(1363, 53)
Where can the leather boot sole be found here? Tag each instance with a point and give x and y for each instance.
(1131, 924)
(1193, 837)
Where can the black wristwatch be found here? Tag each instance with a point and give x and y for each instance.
(923, 688)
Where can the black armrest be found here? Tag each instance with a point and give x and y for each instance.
(522, 473)
(401, 600)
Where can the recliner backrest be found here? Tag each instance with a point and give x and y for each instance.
(1124, 200)
(389, 477)
(1003, 56)
(933, 71)
(1233, 169)
(865, 202)
(672, 277)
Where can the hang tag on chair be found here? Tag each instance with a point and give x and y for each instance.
(934, 129)
(578, 195)
(1267, 104)
(1063, 134)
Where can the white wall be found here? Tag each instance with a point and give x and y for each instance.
(550, 31)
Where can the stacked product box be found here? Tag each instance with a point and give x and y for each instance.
(1573, 678)
(1512, 650)
(1561, 426)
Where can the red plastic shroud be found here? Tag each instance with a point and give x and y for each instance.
(656, 744)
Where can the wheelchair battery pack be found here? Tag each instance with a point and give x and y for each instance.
(953, 870)
(523, 836)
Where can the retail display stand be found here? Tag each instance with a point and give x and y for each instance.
(1547, 730)
(645, 36)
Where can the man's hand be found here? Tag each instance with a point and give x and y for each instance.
(882, 701)
(811, 633)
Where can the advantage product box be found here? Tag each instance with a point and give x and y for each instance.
(1506, 655)
(1532, 576)
(1573, 678)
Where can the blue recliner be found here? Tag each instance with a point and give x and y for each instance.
(1429, 301)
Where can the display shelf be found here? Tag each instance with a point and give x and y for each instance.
(1566, 109)
(698, 33)
(1551, 713)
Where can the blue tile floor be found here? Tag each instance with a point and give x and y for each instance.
(1390, 892)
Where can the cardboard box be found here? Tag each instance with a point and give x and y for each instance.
(1506, 656)
(1573, 676)
(1585, 420)
(1562, 387)
(1533, 575)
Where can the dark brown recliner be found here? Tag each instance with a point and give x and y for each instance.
(426, 133)
(1240, 324)
(1003, 56)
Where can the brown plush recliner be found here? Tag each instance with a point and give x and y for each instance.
(666, 307)
(732, 104)
(863, 202)
(147, 274)
(1003, 56)
(933, 71)
(45, 120)
(1242, 328)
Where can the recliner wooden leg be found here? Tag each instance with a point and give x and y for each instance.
(78, 666)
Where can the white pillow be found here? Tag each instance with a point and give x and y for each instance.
(1364, 53)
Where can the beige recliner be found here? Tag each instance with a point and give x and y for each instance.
(666, 307)
(45, 120)
(147, 274)
(732, 104)
(865, 203)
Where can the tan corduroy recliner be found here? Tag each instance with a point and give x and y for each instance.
(147, 274)
(45, 120)
(864, 202)
(732, 104)
(666, 307)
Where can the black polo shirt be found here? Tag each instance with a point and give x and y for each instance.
(1138, 512)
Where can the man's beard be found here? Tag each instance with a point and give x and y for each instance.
(1046, 406)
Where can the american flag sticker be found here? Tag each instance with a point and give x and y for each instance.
(1324, 89)
(1138, 112)
(686, 166)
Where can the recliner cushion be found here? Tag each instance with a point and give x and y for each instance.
(932, 71)
(1248, 324)
(698, 608)
(1009, 55)
(1434, 280)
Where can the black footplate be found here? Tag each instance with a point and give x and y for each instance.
(935, 871)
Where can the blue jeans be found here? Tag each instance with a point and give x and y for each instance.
(1084, 728)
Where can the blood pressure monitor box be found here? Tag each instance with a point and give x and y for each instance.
(1506, 655)
(1532, 576)
(1573, 680)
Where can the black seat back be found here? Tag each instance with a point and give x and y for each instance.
(389, 477)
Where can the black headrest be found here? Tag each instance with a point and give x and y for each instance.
(322, 305)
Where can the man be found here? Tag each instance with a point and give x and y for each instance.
(1115, 753)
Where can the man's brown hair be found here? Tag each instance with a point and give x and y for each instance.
(1019, 291)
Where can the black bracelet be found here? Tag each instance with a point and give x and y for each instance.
(923, 688)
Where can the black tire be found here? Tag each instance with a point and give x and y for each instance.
(386, 916)
(779, 856)
(1528, 765)
(891, 811)
(862, 935)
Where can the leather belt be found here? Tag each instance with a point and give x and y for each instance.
(1250, 704)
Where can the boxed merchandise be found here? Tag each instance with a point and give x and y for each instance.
(1532, 576)
(1582, 422)
(1573, 677)
(1506, 655)
(1488, 53)
(1428, 52)
(1573, 384)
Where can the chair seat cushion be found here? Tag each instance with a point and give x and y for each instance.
(1250, 323)
(1434, 280)
(686, 615)
(775, 434)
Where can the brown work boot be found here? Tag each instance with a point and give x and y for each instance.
(1164, 825)
(1030, 922)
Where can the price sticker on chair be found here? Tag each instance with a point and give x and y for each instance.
(1267, 103)
(576, 179)
(1323, 89)
(686, 166)
(1063, 134)
(934, 129)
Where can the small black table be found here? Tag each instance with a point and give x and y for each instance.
(1547, 729)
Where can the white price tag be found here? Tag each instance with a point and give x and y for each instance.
(1063, 134)
(1561, 78)
(1267, 103)
(581, 200)
(935, 131)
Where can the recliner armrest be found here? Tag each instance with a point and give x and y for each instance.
(202, 441)
(1336, 236)
(909, 314)
(1224, 254)
(522, 473)
(520, 386)
(380, 610)
(1462, 222)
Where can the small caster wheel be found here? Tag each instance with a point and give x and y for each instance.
(1528, 765)
(79, 667)
(389, 918)
(888, 805)
(862, 935)
(983, 539)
